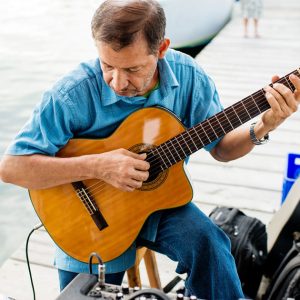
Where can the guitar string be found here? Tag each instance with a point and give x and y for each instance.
(184, 135)
(95, 187)
(102, 183)
(156, 162)
(88, 193)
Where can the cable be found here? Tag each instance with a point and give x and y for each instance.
(101, 268)
(94, 254)
(36, 227)
(172, 284)
(148, 293)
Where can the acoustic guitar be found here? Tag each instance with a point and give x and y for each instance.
(91, 215)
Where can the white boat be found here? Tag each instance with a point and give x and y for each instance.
(192, 23)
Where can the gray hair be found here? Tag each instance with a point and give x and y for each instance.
(119, 23)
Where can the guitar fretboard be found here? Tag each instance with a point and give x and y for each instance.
(181, 146)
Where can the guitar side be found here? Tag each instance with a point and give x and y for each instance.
(67, 220)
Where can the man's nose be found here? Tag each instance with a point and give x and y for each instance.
(119, 81)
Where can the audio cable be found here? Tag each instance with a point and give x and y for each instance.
(101, 268)
(36, 227)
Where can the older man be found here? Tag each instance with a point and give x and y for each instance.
(136, 69)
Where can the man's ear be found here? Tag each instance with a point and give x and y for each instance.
(164, 46)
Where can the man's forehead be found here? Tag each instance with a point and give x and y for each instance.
(125, 66)
(127, 57)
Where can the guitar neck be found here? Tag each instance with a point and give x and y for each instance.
(202, 134)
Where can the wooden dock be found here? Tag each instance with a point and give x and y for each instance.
(239, 67)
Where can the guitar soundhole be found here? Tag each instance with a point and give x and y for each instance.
(155, 179)
(152, 177)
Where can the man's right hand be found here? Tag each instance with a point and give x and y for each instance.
(122, 169)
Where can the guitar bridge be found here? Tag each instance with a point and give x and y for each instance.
(90, 204)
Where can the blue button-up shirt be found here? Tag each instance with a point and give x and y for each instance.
(82, 105)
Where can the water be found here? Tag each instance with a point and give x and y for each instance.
(39, 42)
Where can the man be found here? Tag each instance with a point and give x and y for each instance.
(137, 69)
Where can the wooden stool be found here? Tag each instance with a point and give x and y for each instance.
(133, 274)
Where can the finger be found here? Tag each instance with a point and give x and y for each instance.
(128, 188)
(135, 184)
(296, 82)
(140, 175)
(136, 155)
(141, 165)
(143, 156)
(126, 185)
(275, 78)
(273, 103)
(287, 96)
(278, 98)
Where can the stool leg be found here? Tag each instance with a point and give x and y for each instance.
(152, 270)
(133, 275)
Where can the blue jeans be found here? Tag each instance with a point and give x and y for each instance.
(202, 250)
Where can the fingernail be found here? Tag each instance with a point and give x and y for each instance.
(268, 94)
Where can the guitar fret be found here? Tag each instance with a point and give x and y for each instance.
(171, 153)
(223, 119)
(228, 119)
(255, 103)
(186, 143)
(261, 100)
(245, 114)
(194, 128)
(211, 134)
(176, 160)
(189, 141)
(246, 109)
(234, 122)
(289, 86)
(212, 128)
(202, 125)
(192, 140)
(215, 116)
(251, 107)
(180, 147)
(166, 150)
(155, 149)
(232, 107)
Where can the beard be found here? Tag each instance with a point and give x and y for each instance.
(149, 82)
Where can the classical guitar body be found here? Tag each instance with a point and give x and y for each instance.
(68, 220)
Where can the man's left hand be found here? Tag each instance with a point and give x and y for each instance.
(282, 100)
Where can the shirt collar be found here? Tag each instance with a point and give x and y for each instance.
(167, 82)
